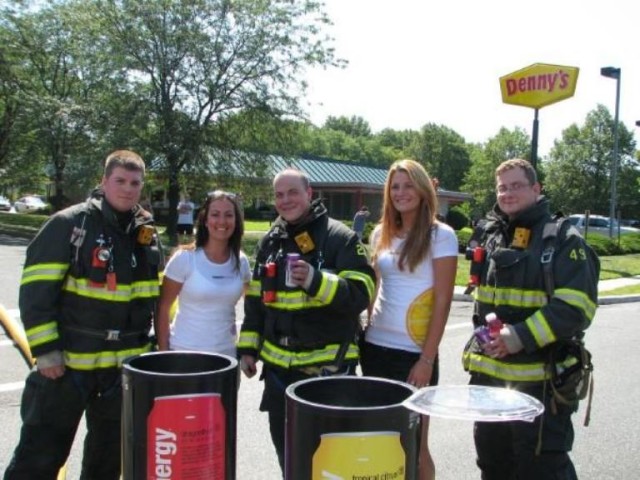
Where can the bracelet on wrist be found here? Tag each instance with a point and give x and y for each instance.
(427, 360)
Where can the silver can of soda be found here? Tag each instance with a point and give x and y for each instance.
(292, 258)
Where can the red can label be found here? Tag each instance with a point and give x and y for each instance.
(186, 438)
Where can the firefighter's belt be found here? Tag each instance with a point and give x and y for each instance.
(294, 343)
(110, 335)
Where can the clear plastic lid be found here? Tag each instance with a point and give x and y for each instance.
(473, 402)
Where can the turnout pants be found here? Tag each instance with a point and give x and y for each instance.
(507, 450)
(51, 411)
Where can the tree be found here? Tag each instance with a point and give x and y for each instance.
(443, 153)
(353, 126)
(194, 63)
(480, 180)
(578, 170)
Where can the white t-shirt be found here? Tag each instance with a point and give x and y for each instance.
(185, 213)
(405, 298)
(206, 316)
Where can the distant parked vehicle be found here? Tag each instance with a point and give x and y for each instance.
(29, 204)
(599, 224)
(5, 204)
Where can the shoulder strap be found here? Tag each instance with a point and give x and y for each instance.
(550, 235)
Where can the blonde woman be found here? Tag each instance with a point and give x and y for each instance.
(415, 258)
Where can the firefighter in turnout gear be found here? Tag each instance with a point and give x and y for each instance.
(535, 322)
(303, 322)
(87, 296)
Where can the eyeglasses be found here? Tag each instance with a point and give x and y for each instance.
(512, 187)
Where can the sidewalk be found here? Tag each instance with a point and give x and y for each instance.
(603, 287)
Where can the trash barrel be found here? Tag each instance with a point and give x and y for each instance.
(350, 427)
(179, 416)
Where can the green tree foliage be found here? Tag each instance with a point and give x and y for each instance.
(191, 64)
(443, 153)
(353, 126)
(578, 171)
(480, 179)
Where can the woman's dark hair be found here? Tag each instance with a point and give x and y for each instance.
(202, 233)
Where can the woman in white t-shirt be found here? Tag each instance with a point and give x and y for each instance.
(415, 257)
(208, 278)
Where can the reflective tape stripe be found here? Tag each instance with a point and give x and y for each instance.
(254, 288)
(48, 272)
(514, 297)
(328, 288)
(516, 372)
(275, 355)
(42, 334)
(360, 277)
(540, 329)
(122, 293)
(249, 340)
(105, 359)
(577, 299)
(295, 300)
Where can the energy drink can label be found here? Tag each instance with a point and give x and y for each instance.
(355, 455)
(186, 438)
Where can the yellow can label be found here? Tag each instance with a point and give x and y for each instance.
(359, 456)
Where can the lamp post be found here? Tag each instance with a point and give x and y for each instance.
(613, 72)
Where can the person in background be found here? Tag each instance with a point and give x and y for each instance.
(186, 212)
(534, 323)
(415, 259)
(87, 297)
(208, 277)
(304, 323)
(360, 221)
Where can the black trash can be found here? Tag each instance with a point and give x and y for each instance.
(179, 416)
(350, 427)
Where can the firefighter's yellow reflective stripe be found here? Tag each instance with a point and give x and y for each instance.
(328, 288)
(540, 329)
(44, 272)
(283, 358)
(104, 359)
(514, 297)
(361, 277)
(295, 300)
(516, 372)
(122, 293)
(254, 288)
(577, 299)
(41, 334)
(249, 340)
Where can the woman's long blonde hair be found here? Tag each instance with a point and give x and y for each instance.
(418, 240)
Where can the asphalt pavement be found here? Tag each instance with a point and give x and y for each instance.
(607, 449)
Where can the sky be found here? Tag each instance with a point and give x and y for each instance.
(413, 62)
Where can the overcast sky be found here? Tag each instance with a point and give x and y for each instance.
(413, 62)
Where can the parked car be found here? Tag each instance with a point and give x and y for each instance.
(5, 204)
(599, 224)
(29, 203)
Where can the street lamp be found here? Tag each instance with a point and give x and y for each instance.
(613, 72)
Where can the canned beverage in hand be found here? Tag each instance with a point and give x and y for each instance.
(292, 258)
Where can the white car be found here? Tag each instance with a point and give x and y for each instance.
(5, 204)
(29, 203)
(599, 224)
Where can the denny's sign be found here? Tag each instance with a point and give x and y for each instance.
(539, 85)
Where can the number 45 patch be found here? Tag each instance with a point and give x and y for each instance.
(578, 254)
